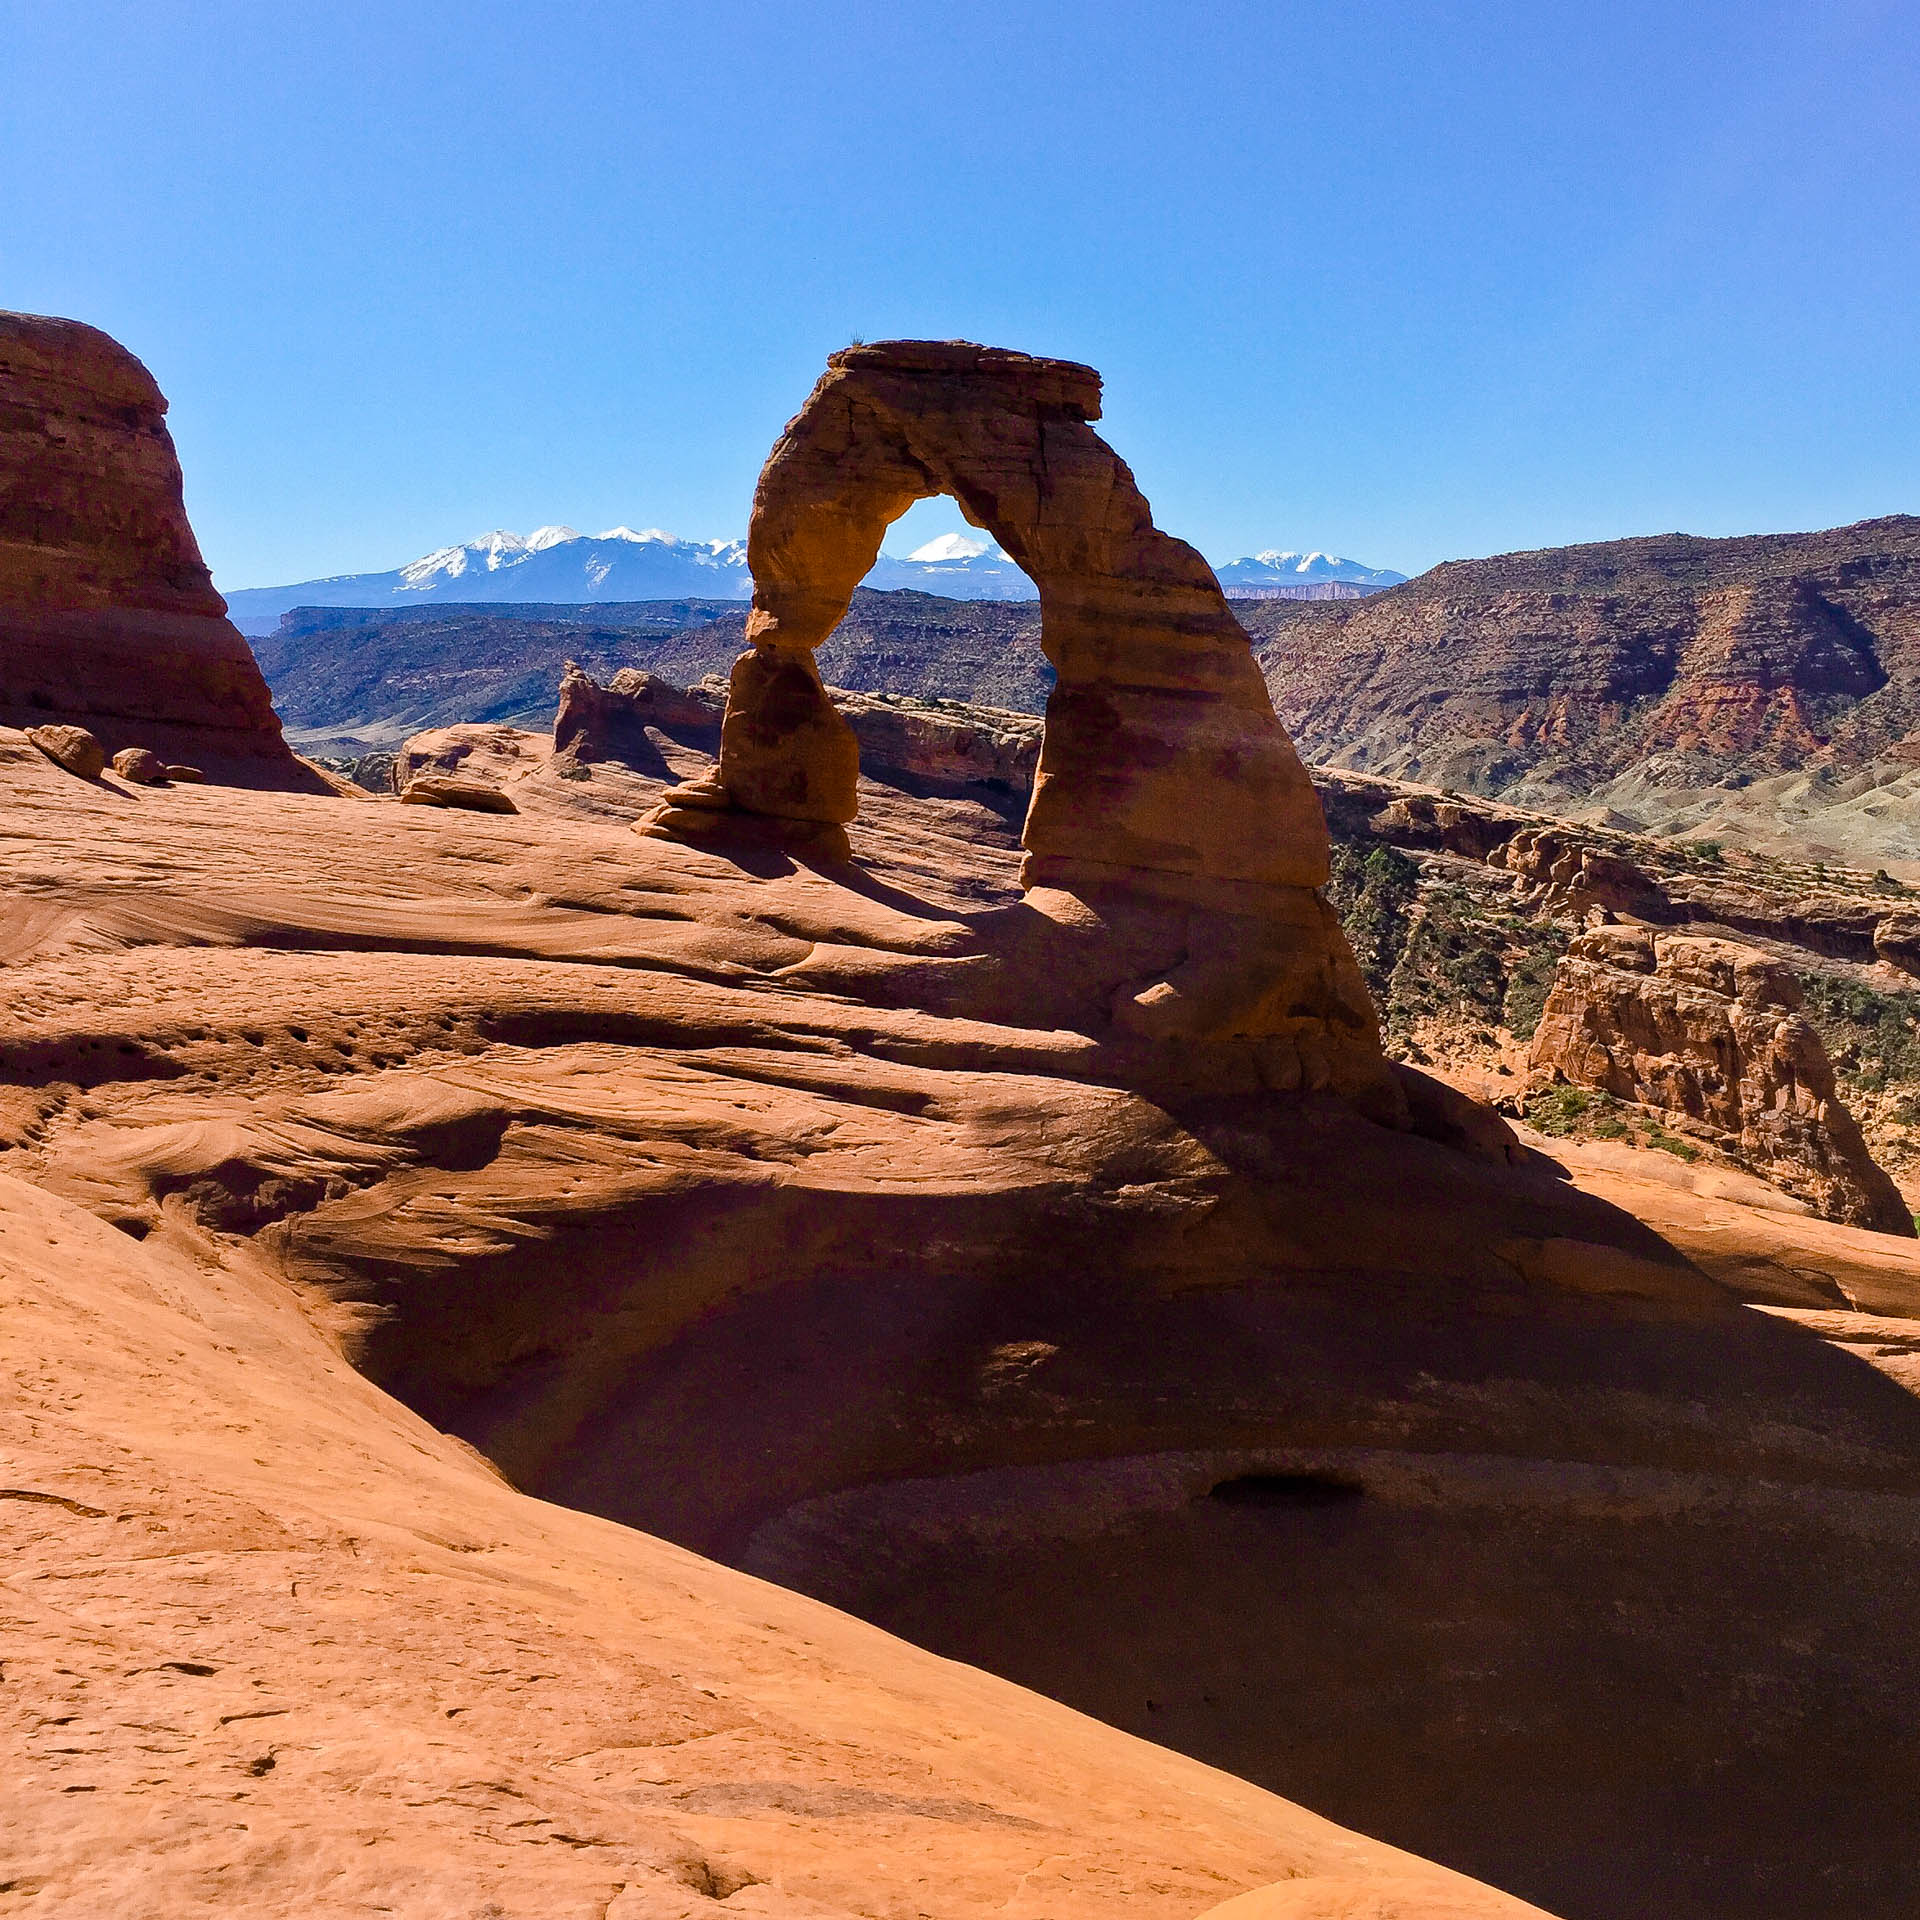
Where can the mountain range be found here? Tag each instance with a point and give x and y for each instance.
(557, 564)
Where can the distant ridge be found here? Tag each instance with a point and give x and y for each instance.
(1746, 686)
(557, 564)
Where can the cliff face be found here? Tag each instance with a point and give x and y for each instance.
(1629, 673)
(1713, 1034)
(108, 616)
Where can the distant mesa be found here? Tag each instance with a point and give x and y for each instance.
(109, 621)
(557, 565)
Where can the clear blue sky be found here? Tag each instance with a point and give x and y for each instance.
(1401, 281)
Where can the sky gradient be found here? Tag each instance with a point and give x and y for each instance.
(1403, 282)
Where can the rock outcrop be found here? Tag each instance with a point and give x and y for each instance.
(108, 617)
(945, 743)
(1559, 870)
(1170, 818)
(1711, 1032)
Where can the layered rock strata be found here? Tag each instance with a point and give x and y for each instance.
(108, 616)
(1170, 817)
(1711, 1033)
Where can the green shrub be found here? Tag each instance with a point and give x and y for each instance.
(1529, 983)
(1873, 1038)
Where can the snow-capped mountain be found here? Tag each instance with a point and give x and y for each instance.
(1278, 567)
(560, 566)
(552, 564)
(960, 566)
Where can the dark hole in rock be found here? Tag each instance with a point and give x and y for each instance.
(1286, 1490)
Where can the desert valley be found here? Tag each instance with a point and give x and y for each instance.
(864, 1253)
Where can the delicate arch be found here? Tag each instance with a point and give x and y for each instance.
(1162, 753)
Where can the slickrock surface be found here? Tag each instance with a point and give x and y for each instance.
(273, 1643)
(108, 617)
(1713, 1033)
(276, 1647)
(811, 1217)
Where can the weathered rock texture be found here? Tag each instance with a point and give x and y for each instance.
(141, 765)
(108, 616)
(1158, 700)
(1765, 688)
(1712, 1032)
(805, 1217)
(450, 790)
(1165, 785)
(73, 748)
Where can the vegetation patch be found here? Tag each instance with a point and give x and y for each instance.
(1577, 1113)
(1872, 1038)
(1438, 951)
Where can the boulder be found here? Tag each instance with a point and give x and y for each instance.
(108, 616)
(446, 790)
(1711, 1033)
(141, 765)
(71, 747)
(186, 776)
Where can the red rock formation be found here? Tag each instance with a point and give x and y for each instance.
(108, 616)
(1165, 784)
(949, 743)
(1158, 698)
(1711, 1031)
(1557, 870)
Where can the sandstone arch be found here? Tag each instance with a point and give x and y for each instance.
(1162, 752)
(1166, 786)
